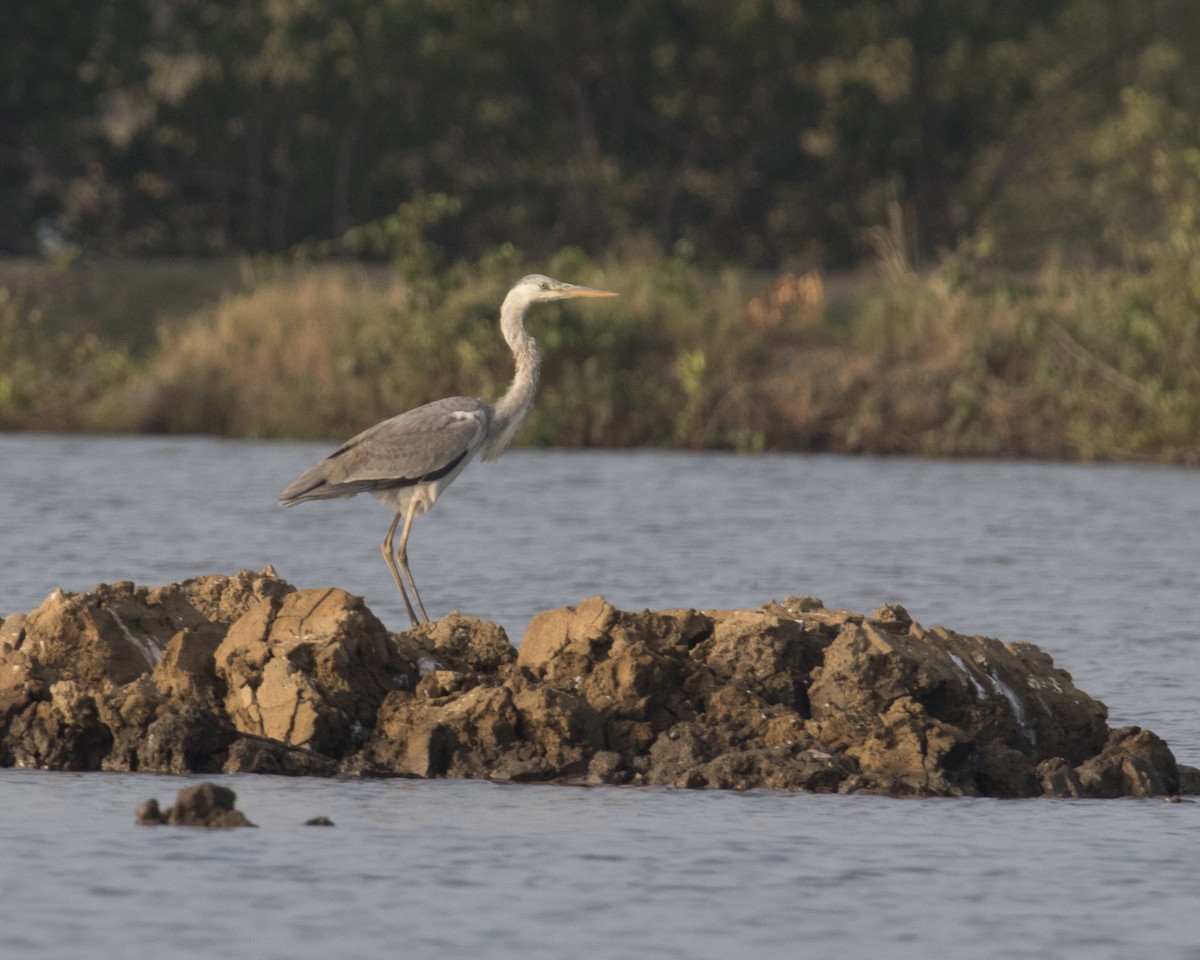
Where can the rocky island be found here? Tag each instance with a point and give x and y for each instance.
(246, 673)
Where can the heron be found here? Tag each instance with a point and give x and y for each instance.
(408, 460)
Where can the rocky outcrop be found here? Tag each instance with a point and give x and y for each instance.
(307, 669)
(248, 674)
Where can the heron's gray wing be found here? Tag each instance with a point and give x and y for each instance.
(418, 446)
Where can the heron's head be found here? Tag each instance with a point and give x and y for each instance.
(537, 289)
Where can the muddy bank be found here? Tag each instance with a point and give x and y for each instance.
(245, 673)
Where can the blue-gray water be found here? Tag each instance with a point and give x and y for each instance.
(1099, 565)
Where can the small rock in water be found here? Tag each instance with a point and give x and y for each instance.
(319, 822)
(205, 805)
(148, 813)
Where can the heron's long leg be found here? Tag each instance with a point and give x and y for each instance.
(391, 562)
(402, 555)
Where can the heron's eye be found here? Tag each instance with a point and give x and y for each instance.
(544, 285)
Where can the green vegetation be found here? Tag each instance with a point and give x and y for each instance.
(357, 184)
(757, 132)
(963, 360)
(49, 380)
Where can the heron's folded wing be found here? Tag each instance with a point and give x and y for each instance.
(419, 445)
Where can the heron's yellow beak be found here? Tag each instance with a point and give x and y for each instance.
(589, 292)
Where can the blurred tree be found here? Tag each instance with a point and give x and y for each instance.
(759, 131)
(1103, 160)
(57, 60)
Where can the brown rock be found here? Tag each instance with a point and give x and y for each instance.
(560, 728)
(63, 732)
(247, 674)
(562, 644)
(218, 598)
(204, 805)
(1004, 772)
(262, 755)
(910, 752)
(520, 732)
(1133, 763)
(1065, 721)
(308, 669)
(1058, 778)
(770, 655)
(607, 766)
(774, 768)
(991, 691)
(184, 738)
(13, 703)
(126, 713)
(148, 813)
(676, 754)
(464, 644)
(1189, 780)
(188, 671)
(94, 654)
(462, 736)
(16, 666)
(821, 625)
(634, 669)
(110, 634)
(737, 717)
(441, 683)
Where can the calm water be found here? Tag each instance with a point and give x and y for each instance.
(1098, 565)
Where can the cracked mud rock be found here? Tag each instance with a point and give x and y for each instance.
(245, 673)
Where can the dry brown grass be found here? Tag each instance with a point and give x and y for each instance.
(1092, 365)
(302, 355)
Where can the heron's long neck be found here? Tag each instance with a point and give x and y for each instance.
(511, 408)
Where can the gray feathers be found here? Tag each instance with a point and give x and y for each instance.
(408, 460)
(418, 446)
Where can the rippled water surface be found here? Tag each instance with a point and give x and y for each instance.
(1099, 565)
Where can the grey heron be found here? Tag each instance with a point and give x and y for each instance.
(408, 460)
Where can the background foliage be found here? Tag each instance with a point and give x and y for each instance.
(926, 226)
(761, 132)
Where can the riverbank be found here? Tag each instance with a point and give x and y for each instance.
(1060, 364)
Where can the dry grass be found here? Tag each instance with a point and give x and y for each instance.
(122, 302)
(1060, 364)
(301, 355)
